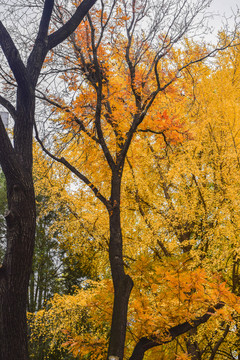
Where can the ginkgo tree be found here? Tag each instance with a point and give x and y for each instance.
(181, 236)
(123, 68)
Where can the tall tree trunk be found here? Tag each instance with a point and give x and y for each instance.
(21, 216)
(15, 272)
(122, 283)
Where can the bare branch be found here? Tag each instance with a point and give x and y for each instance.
(67, 110)
(98, 111)
(82, 177)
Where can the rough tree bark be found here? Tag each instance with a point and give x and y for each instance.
(122, 283)
(16, 162)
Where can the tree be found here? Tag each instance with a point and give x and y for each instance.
(118, 88)
(181, 221)
(16, 163)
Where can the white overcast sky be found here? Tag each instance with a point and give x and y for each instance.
(224, 7)
(221, 8)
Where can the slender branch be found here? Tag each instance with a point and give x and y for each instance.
(68, 111)
(7, 77)
(98, 111)
(219, 342)
(82, 177)
(163, 183)
(104, 25)
(132, 71)
(139, 117)
(157, 133)
(148, 102)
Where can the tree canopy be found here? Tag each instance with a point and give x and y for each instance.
(150, 159)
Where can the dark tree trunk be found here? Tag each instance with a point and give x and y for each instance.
(15, 274)
(20, 219)
(122, 283)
